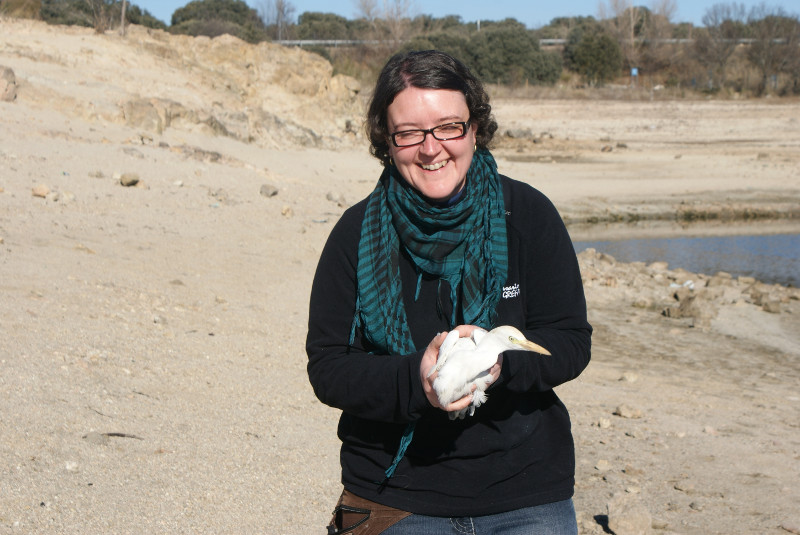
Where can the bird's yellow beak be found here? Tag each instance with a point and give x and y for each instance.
(530, 346)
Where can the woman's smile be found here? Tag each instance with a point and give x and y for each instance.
(435, 166)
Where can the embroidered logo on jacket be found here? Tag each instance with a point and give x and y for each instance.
(511, 291)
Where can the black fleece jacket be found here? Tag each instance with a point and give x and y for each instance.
(517, 450)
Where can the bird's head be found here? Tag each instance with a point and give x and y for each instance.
(516, 341)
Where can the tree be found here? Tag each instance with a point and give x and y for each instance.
(397, 15)
(560, 27)
(216, 17)
(714, 46)
(311, 25)
(594, 53)
(455, 43)
(278, 14)
(775, 42)
(136, 15)
(122, 18)
(26, 9)
(507, 53)
(391, 23)
(98, 14)
(368, 9)
(625, 23)
(658, 50)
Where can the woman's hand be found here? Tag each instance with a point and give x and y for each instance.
(429, 361)
(495, 370)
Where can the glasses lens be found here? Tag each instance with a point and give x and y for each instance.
(449, 131)
(409, 137)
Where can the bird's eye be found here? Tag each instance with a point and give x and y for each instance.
(512, 339)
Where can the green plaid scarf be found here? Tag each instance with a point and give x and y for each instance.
(464, 243)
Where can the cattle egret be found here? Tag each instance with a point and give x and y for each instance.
(464, 362)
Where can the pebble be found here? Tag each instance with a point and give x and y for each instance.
(129, 179)
(268, 190)
(627, 515)
(659, 524)
(696, 506)
(40, 191)
(658, 266)
(629, 377)
(62, 197)
(633, 472)
(791, 527)
(96, 438)
(221, 195)
(624, 411)
(340, 201)
(519, 133)
(602, 465)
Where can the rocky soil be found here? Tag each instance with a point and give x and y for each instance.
(164, 200)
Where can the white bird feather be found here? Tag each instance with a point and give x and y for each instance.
(466, 361)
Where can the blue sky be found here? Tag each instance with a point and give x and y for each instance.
(533, 13)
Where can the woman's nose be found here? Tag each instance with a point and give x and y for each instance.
(430, 144)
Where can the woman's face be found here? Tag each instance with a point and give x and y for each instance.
(436, 169)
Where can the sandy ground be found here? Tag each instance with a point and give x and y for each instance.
(152, 364)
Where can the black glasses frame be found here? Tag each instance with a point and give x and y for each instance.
(463, 124)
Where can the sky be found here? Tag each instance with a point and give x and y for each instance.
(532, 13)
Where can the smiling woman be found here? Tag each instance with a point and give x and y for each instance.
(446, 243)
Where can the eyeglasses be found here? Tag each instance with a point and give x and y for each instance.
(443, 132)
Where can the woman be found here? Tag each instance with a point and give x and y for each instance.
(444, 242)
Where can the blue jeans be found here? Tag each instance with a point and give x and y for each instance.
(549, 519)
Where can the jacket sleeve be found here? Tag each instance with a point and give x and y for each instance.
(554, 302)
(384, 388)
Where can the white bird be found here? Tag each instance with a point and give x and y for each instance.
(466, 361)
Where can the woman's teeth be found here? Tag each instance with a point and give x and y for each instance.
(435, 166)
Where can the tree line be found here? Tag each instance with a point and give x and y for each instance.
(736, 50)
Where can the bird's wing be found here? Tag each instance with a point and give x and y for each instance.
(444, 351)
(452, 344)
(469, 362)
(478, 334)
(455, 378)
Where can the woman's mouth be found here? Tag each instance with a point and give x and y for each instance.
(434, 166)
